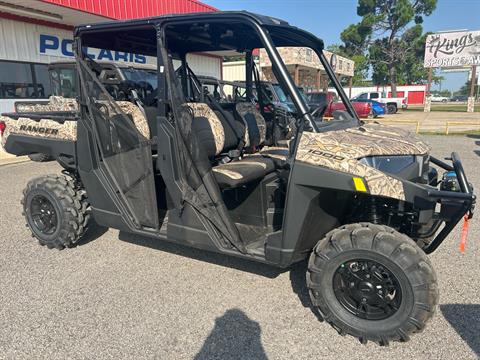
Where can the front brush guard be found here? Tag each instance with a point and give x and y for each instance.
(454, 205)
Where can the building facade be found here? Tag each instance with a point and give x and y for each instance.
(35, 33)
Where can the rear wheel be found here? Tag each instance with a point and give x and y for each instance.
(56, 210)
(391, 108)
(372, 282)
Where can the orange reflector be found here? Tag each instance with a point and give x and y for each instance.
(463, 237)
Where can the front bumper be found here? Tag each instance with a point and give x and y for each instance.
(453, 205)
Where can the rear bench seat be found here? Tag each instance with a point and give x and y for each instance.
(59, 103)
(216, 134)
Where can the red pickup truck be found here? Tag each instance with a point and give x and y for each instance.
(316, 99)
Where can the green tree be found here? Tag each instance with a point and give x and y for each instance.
(465, 89)
(390, 33)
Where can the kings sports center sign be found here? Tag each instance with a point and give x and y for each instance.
(53, 45)
(452, 49)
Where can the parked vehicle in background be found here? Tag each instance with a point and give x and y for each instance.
(392, 104)
(459, 98)
(318, 99)
(378, 109)
(118, 78)
(438, 98)
(363, 109)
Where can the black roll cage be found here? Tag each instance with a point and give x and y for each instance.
(265, 27)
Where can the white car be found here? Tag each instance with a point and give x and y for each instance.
(437, 98)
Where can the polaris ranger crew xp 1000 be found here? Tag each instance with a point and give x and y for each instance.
(364, 203)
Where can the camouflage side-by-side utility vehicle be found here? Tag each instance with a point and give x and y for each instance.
(362, 202)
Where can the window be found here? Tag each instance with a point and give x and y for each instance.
(20, 80)
(42, 80)
(63, 81)
(374, 96)
(308, 55)
(363, 96)
(141, 75)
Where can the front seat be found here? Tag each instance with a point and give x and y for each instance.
(212, 133)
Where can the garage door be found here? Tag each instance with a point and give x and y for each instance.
(416, 97)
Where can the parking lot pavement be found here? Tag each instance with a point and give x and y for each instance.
(435, 121)
(119, 296)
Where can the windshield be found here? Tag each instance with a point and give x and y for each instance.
(282, 97)
(304, 96)
(139, 75)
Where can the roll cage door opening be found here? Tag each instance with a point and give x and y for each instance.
(124, 154)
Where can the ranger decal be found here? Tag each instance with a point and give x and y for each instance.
(39, 129)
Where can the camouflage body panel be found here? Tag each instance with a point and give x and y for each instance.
(203, 110)
(43, 128)
(68, 130)
(340, 150)
(244, 109)
(55, 103)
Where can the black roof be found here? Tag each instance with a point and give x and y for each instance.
(261, 19)
(117, 32)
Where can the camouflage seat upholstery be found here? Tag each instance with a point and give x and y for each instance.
(215, 135)
(279, 155)
(255, 125)
(237, 173)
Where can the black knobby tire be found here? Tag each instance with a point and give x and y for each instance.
(391, 108)
(67, 207)
(40, 157)
(396, 252)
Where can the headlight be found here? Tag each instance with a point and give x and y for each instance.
(410, 167)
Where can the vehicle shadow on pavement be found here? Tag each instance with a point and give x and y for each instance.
(94, 231)
(235, 336)
(465, 319)
(203, 255)
(298, 279)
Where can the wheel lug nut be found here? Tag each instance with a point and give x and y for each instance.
(352, 284)
(364, 300)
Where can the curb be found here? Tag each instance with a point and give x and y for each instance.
(13, 160)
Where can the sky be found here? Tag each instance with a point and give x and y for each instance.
(328, 18)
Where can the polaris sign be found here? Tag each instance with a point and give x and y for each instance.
(52, 45)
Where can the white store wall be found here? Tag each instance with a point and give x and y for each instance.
(26, 42)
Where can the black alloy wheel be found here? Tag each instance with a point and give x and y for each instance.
(43, 214)
(367, 289)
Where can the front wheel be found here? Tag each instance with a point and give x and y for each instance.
(372, 282)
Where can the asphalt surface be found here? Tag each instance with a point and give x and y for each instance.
(114, 298)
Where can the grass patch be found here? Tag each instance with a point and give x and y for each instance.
(445, 108)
